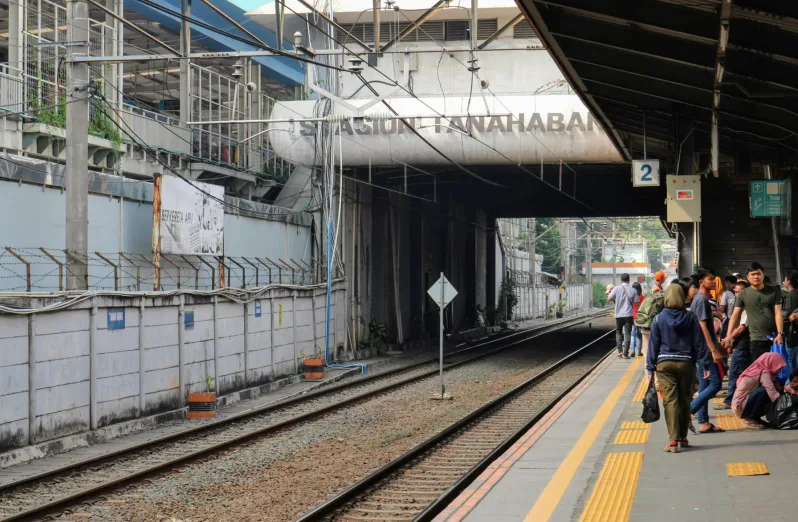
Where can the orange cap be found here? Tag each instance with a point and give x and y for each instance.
(659, 276)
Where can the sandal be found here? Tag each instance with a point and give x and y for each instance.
(722, 406)
(683, 443)
(712, 429)
(673, 447)
(755, 425)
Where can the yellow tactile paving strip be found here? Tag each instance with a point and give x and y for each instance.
(729, 422)
(746, 469)
(635, 425)
(632, 436)
(611, 500)
(641, 390)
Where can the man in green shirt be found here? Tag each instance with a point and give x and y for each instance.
(762, 304)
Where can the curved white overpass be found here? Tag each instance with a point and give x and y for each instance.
(524, 128)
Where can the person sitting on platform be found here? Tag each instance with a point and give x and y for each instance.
(792, 386)
(757, 388)
(676, 344)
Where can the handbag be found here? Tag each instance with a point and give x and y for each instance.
(784, 373)
(650, 403)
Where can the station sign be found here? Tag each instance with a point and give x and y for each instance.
(645, 173)
(768, 197)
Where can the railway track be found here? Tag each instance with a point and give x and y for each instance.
(56, 490)
(422, 482)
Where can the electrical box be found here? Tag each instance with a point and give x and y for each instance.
(683, 199)
(399, 60)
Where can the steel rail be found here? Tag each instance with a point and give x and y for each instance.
(331, 506)
(70, 499)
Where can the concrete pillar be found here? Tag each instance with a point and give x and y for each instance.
(15, 42)
(93, 420)
(77, 147)
(142, 361)
(481, 260)
(32, 384)
(185, 70)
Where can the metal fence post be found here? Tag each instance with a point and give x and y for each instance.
(116, 269)
(60, 268)
(27, 266)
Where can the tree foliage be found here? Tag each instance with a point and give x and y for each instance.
(548, 243)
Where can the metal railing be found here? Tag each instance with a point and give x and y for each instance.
(45, 270)
(159, 129)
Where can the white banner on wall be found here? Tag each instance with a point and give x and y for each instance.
(192, 222)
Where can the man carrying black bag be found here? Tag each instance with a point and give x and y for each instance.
(676, 344)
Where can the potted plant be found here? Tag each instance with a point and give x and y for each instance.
(202, 405)
(315, 367)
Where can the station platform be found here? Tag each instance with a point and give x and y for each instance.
(591, 459)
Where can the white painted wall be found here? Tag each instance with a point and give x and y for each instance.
(68, 399)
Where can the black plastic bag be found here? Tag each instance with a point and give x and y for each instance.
(783, 412)
(650, 403)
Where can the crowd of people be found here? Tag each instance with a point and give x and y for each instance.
(700, 330)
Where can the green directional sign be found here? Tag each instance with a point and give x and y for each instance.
(768, 197)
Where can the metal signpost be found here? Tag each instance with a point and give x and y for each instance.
(442, 292)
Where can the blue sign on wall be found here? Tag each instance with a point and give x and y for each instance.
(189, 319)
(116, 318)
(258, 310)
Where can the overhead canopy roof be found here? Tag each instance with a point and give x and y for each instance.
(283, 69)
(663, 57)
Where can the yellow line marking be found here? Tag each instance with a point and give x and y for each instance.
(729, 422)
(635, 425)
(632, 437)
(612, 497)
(555, 489)
(746, 469)
(641, 390)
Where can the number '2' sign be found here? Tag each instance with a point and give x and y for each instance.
(645, 173)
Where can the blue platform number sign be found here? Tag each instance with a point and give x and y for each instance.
(189, 319)
(645, 173)
(769, 197)
(116, 318)
(258, 309)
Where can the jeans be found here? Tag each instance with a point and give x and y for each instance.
(756, 405)
(707, 389)
(676, 384)
(759, 348)
(740, 360)
(623, 334)
(636, 343)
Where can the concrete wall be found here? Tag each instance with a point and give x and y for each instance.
(85, 375)
(536, 302)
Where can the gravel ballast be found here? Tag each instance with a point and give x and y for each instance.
(279, 477)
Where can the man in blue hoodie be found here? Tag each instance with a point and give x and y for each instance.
(676, 344)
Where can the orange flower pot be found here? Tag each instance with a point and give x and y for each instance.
(201, 405)
(314, 369)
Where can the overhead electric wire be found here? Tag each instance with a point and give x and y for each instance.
(228, 34)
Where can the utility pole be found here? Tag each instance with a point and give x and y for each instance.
(77, 145)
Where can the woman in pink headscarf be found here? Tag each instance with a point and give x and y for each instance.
(756, 389)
